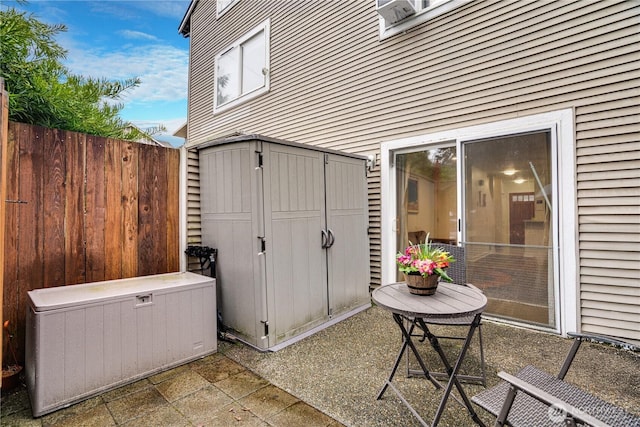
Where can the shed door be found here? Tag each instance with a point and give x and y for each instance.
(294, 217)
(347, 222)
(231, 221)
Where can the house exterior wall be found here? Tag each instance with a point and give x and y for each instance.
(334, 83)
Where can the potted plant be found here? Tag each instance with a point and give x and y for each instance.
(423, 264)
(10, 370)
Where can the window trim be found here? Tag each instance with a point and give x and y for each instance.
(420, 17)
(220, 12)
(564, 158)
(263, 26)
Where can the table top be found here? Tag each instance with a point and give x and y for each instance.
(449, 301)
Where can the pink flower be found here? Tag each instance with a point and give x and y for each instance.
(404, 259)
(424, 266)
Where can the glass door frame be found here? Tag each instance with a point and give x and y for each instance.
(565, 236)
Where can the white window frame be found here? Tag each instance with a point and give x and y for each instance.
(421, 16)
(264, 26)
(221, 11)
(566, 260)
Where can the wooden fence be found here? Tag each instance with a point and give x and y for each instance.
(81, 208)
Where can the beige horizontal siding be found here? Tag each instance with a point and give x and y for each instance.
(493, 59)
(610, 287)
(608, 160)
(336, 85)
(194, 233)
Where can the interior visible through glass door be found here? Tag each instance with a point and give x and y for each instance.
(508, 225)
(427, 196)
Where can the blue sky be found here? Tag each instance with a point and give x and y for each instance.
(122, 39)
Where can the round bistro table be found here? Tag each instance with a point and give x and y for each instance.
(450, 301)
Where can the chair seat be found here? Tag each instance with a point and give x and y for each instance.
(529, 412)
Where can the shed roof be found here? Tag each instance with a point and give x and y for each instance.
(256, 137)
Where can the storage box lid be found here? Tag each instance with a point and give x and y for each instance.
(73, 295)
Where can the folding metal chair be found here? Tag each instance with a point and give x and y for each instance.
(458, 272)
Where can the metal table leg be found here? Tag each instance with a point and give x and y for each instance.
(453, 372)
(407, 342)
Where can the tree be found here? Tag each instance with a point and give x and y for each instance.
(42, 91)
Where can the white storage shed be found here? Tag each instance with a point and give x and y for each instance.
(290, 224)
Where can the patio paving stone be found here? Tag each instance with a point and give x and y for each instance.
(181, 385)
(212, 358)
(241, 384)
(201, 406)
(95, 416)
(300, 414)
(163, 376)
(166, 416)
(126, 390)
(268, 401)
(135, 405)
(235, 415)
(72, 412)
(218, 370)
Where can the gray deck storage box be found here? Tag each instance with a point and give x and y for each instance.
(290, 223)
(82, 340)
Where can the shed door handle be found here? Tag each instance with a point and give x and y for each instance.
(332, 239)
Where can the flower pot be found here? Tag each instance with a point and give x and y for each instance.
(10, 377)
(419, 285)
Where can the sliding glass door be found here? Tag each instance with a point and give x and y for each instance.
(508, 225)
(493, 197)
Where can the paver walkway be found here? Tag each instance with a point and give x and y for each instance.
(214, 391)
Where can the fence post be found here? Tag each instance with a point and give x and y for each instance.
(4, 131)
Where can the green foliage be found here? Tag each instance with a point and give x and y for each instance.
(43, 92)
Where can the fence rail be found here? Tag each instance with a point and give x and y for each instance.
(81, 208)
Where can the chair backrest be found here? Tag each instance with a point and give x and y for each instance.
(457, 270)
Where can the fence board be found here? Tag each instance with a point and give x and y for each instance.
(160, 212)
(74, 226)
(30, 243)
(84, 208)
(130, 210)
(54, 205)
(95, 209)
(113, 215)
(173, 215)
(147, 211)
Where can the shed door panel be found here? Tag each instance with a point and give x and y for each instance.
(229, 223)
(294, 218)
(347, 218)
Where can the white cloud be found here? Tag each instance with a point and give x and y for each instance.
(163, 70)
(138, 35)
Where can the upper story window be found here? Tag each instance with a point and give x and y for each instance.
(222, 6)
(242, 69)
(397, 16)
